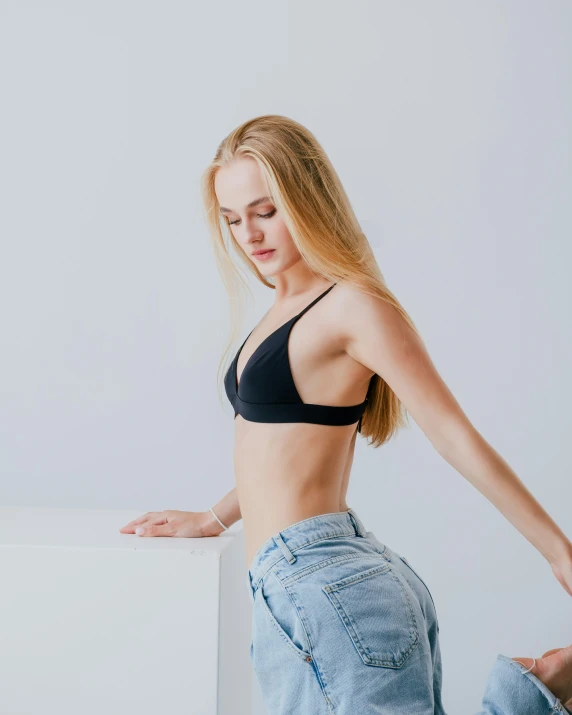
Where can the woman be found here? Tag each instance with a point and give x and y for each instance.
(341, 622)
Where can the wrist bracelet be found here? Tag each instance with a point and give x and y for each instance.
(219, 521)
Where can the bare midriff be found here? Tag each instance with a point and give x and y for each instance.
(287, 472)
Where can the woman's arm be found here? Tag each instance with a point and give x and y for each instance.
(227, 510)
(473, 457)
(378, 337)
(190, 524)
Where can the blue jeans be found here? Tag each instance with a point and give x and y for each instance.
(342, 624)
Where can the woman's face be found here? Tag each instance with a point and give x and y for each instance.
(257, 227)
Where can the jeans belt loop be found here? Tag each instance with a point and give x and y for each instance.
(279, 541)
(359, 527)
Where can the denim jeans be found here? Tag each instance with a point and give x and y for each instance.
(342, 624)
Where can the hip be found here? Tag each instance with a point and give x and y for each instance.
(331, 603)
(325, 555)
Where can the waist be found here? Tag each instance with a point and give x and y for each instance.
(273, 497)
(284, 543)
(292, 448)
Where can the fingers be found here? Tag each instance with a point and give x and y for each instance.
(152, 517)
(551, 652)
(566, 653)
(163, 529)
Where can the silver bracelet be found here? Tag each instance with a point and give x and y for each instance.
(219, 521)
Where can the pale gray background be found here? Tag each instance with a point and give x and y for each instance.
(449, 124)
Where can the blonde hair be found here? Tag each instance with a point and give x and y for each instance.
(313, 204)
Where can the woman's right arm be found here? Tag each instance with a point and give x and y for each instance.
(190, 524)
(227, 510)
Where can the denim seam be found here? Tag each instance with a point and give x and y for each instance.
(326, 537)
(419, 577)
(298, 651)
(317, 670)
(323, 564)
(426, 587)
(299, 616)
(302, 546)
(355, 578)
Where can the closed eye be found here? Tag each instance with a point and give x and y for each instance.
(268, 215)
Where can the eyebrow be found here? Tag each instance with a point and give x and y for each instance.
(256, 202)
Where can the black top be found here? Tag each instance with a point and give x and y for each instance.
(267, 391)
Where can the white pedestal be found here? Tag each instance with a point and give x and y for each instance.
(97, 622)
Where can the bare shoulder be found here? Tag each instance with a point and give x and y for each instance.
(360, 314)
(379, 337)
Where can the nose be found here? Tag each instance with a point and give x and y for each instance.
(251, 234)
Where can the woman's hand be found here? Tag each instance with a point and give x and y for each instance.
(554, 669)
(190, 524)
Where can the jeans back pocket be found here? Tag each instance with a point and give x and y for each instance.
(377, 612)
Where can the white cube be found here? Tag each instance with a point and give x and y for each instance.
(96, 622)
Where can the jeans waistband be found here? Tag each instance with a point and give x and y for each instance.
(284, 543)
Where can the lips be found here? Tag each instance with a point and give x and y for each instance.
(263, 253)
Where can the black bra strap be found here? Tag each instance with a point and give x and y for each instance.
(301, 313)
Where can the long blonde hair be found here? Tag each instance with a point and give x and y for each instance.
(313, 204)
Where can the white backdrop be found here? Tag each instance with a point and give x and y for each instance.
(449, 124)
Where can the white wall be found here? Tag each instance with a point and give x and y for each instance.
(449, 124)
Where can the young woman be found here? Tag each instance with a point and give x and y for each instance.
(341, 622)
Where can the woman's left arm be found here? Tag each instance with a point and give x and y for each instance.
(378, 337)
